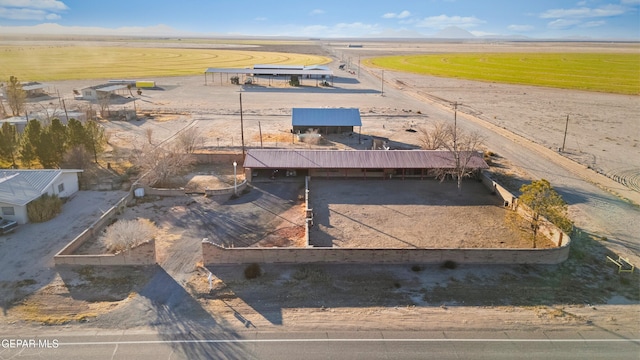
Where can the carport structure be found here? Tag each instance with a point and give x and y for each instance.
(317, 72)
(325, 120)
(363, 164)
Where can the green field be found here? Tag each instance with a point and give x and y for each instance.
(51, 63)
(611, 72)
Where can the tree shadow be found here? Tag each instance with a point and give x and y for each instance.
(179, 319)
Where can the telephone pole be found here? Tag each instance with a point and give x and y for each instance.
(241, 127)
(566, 126)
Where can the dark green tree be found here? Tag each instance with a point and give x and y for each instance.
(75, 133)
(30, 142)
(45, 151)
(95, 138)
(58, 133)
(9, 143)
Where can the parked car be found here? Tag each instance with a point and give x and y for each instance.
(7, 226)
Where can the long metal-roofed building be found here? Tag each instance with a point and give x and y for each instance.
(325, 120)
(357, 163)
(311, 71)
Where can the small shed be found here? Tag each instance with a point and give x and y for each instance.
(94, 92)
(325, 120)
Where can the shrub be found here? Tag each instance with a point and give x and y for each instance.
(294, 81)
(416, 268)
(126, 234)
(235, 80)
(449, 264)
(252, 271)
(44, 208)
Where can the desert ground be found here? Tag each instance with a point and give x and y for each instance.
(581, 294)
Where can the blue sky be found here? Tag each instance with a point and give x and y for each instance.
(539, 19)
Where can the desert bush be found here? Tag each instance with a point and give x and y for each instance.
(126, 234)
(294, 80)
(416, 268)
(44, 208)
(235, 80)
(311, 274)
(449, 264)
(252, 271)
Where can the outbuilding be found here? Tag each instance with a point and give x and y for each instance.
(325, 120)
(363, 164)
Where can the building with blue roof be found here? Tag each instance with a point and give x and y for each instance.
(325, 120)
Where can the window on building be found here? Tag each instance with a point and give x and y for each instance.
(8, 210)
(61, 188)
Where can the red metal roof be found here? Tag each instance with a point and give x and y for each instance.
(356, 159)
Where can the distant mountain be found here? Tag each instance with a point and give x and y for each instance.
(454, 32)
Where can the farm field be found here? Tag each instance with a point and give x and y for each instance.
(604, 72)
(51, 63)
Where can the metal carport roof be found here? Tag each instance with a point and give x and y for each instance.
(356, 159)
(326, 117)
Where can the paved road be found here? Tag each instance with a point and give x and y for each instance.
(597, 211)
(322, 345)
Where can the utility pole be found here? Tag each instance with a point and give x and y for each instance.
(241, 127)
(260, 128)
(566, 126)
(455, 126)
(358, 66)
(382, 89)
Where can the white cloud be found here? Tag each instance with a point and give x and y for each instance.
(584, 12)
(31, 9)
(562, 24)
(402, 15)
(591, 24)
(51, 5)
(443, 21)
(52, 28)
(317, 12)
(260, 18)
(22, 14)
(520, 28)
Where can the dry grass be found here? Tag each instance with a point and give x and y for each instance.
(126, 234)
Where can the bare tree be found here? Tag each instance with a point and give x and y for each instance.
(148, 133)
(104, 100)
(161, 167)
(435, 137)
(462, 146)
(190, 139)
(16, 96)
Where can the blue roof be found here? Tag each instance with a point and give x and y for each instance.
(326, 117)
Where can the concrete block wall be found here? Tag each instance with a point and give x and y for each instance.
(546, 228)
(143, 254)
(214, 254)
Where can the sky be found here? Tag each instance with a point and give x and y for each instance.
(536, 19)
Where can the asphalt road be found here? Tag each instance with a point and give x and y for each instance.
(322, 345)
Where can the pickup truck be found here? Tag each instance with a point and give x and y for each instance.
(7, 226)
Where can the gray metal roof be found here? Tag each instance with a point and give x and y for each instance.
(33, 86)
(110, 88)
(326, 117)
(356, 159)
(19, 187)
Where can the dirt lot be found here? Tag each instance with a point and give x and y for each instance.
(412, 214)
(581, 293)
